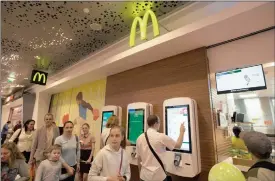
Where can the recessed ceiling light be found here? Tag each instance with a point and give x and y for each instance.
(86, 10)
(96, 26)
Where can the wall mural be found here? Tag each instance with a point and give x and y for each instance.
(81, 105)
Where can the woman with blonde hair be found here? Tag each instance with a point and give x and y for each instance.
(112, 122)
(13, 163)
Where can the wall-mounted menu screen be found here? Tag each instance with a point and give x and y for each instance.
(241, 80)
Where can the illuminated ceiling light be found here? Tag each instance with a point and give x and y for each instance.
(86, 10)
(10, 80)
(248, 95)
(12, 75)
(26, 78)
(96, 26)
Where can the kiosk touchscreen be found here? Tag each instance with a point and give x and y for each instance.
(107, 112)
(137, 114)
(184, 161)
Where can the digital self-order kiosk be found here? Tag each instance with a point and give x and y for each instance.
(186, 161)
(107, 112)
(137, 114)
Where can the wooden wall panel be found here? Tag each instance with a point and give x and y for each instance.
(183, 75)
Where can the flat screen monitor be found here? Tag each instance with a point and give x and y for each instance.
(241, 80)
(174, 116)
(240, 117)
(135, 124)
(105, 116)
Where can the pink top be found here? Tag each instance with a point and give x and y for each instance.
(86, 142)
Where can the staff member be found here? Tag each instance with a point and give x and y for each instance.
(149, 168)
(237, 142)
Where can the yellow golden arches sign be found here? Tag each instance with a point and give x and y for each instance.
(143, 27)
(39, 77)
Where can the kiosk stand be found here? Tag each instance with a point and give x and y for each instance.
(186, 161)
(107, 112)
(137, 114)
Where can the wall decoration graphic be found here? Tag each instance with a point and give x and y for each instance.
(80, 105)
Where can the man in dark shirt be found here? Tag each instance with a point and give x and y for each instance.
(17, 126)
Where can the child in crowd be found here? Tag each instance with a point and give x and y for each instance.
(260, 147)
(111, 163)
(50, 169)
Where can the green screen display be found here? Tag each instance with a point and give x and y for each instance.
(135, 124)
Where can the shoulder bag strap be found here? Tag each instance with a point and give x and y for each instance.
(17, 137)
(264, 164)
(76, 138)
(120, 162)
(106, 140)
(154, 153)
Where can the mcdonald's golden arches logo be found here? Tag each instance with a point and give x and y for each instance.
(39, 77)
(143, 27)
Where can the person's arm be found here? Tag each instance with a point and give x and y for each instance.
(92, 149)
(63, 176)
(14, 135)
(23, 171)
(87, 105)
(39, 172)
(127, 173)
(97, 166)
(78, 155)
(180, 138)
(34, 146)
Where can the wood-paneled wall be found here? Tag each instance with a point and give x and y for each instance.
(183, 75)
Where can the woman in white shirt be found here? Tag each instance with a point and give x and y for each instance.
(23, 138)
(111, 163)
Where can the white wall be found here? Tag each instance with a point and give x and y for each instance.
(257, 49)
(41, 107)
(6, 110)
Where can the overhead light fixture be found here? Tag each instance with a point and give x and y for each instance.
(96, 26)
(247, 95)
(270, 64)
(26, 78)
(10, 79)
(86, 10)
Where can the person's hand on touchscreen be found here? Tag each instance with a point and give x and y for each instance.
(182, 128)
